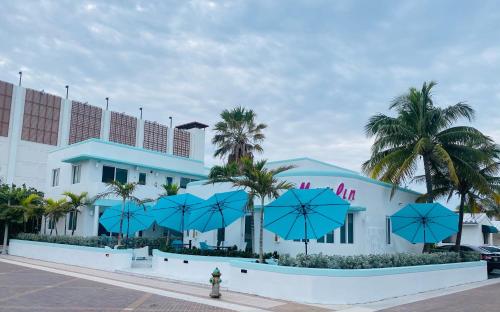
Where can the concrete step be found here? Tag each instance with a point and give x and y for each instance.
(147, 263)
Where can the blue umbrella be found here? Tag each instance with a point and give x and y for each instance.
(218, 211)
(174, 211)
(424, 223)
(305, 213)
(135, 218)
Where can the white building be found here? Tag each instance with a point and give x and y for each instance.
(87, 166)
(34, 123)
(367, 228)
(477, 230)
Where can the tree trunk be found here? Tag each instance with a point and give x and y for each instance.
(55, 226)
(5, 237)
(65, 223)
(121, 223)
(252, 229)
(428, 179)
(45, 226)
(460, 222)
(261, 233)
(430, 195)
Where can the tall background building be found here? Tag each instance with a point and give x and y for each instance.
(34, 123)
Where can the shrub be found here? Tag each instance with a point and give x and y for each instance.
(374, 261)
(231, 252)
(94, 241)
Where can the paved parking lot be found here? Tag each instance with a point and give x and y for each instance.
(25, 289)
(482, 299)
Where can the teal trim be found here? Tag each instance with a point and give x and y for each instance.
(84, 157)
(64, 246)
(127, 147)
(200, 182)
(356, 209)
(355, 272)
(489, 229)
(312, 160)
(294, 173)
(104, 202)
(162, 254)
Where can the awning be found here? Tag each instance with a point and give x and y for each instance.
(489, 229)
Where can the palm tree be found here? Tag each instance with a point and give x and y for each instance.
(238, 135)
(13, 203)
(55, 210)
(491, 205)
(124, 191)
(262, 183)
(476, 170)
(170, 189)
(76, 201)
(228, 173)
(419, 131)
(33, 210)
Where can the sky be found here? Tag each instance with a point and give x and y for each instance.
(313, 71)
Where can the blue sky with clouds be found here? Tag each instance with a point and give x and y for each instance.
(314, 71)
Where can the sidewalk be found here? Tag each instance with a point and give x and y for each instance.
(230, 300)
(175, 289)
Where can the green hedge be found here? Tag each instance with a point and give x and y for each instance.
(232, 252)
(94, 241)
(375, 261)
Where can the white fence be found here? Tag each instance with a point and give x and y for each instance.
(326, 286)
(90, 257)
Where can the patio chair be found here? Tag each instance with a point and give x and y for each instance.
(205, 246)
(177, 244)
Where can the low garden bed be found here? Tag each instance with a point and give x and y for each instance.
(94, 241)
(376, 261)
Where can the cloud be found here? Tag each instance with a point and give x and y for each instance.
(313, 71)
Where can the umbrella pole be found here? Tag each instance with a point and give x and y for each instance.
(305, 233)
(182, 228)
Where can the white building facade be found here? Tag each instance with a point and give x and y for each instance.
(367, 229)
(34, 123)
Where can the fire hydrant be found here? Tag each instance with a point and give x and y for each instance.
(215, 281)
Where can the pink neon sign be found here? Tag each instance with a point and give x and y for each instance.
(342, 191)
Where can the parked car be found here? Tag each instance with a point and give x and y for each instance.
(492, 258)
(493, 249)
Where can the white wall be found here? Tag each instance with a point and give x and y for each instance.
(89, 257)
(325, 286)
(369, 225)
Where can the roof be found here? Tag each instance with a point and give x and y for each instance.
(191, 125)
(476, 218)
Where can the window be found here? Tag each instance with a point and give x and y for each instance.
(122, 129)
(76, 173)
(169, 180)
(155, 136)
(185, 181)
(5, 103)
(51, 224)
(121, 175)
(55, 177)
(41, 117)
(181, 143)
(221, 236)
(329, 238)
(72, 220)
(85, 122)
(108, 174)
(388, 230)
(114, 174)
(142, 178)
(347, 230)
